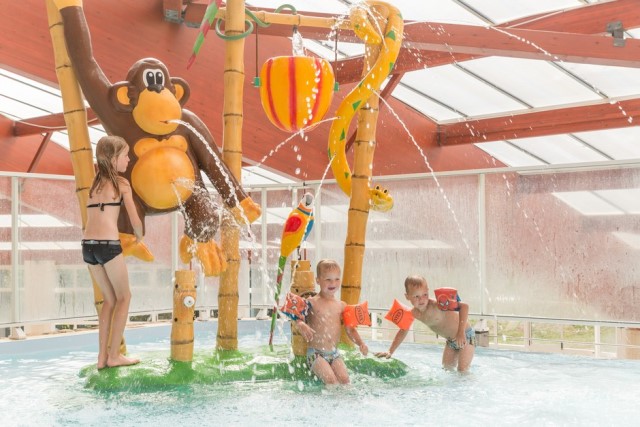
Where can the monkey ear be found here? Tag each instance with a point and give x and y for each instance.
(120, 97)
(182, 89)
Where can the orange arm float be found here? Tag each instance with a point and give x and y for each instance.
(400, 315)
(354, 315)
(448, 299)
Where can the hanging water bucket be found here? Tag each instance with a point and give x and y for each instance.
(296, 91)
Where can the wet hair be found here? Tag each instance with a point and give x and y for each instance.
(108, 148)
(326, 264)
(414, 281)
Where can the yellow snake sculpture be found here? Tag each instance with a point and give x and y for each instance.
(367, 30)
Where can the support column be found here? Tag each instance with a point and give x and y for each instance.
(184, 301)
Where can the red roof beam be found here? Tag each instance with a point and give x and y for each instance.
(522, 43)
(552, 121)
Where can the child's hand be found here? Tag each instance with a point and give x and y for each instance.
(461, 339)
(384, 354)
(305, 331)
(364, 349)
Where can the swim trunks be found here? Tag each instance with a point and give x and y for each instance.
(471, 339)
(96, 252)
(329, 355)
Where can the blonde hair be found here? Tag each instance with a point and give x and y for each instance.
(108, 148)
(414, 281)
(326, 264)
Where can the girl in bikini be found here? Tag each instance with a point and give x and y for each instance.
(101, 247)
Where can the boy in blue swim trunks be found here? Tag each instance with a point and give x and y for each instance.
(460, 347)
(323, 327)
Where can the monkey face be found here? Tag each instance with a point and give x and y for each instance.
(156, 104)
(153, 98)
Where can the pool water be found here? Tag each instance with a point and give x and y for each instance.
(40, 384)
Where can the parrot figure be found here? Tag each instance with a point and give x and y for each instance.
(207, 22)
(297, 226)
(296, 229)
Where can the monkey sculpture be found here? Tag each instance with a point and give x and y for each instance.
(166, 157)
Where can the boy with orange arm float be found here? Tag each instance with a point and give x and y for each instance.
(323, 327)
(446, 316)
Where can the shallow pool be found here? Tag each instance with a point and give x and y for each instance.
(40, 385)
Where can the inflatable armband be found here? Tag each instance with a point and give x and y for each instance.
(354, 315)
(295, 307)
(448, 299)
(400, 315)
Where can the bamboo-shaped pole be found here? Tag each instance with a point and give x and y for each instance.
(303, 284)
(227, 338)
(184, 301)
(364, 148)
(75, 117)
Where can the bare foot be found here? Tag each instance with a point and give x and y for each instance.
(102, 362)
(121, 360)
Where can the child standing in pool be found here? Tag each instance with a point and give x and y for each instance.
(323, 327)
(101, 247)
(460, 347)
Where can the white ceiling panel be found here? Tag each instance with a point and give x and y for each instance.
(436, 11)
(538, 83)
(626, 199)
(620, 144)
(611, 81)
(423, 104)
(509, 154)
(559, 149)
(463, 92)
(588, 203)
(506, 10)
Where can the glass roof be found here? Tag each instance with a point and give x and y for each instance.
(445, 94)
(501, 85)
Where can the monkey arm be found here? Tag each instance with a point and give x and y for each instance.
(213, 166)
(93, 81)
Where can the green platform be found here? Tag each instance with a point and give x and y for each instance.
(157, 372)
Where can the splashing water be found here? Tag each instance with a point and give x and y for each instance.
(220, 167)
(374, 17)
(252, 238)
(184, 183)
(297, 43)
(556, 59)
(283, 143)
(562, 270)
(190, 184)
(439, 186)
(269, 282)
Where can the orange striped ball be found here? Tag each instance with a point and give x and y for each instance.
(296, 91)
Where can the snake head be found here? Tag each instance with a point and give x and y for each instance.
(380, 199)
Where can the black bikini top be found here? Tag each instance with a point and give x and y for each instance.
(102, 205)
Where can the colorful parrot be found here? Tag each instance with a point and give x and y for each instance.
(296, 229)
(297, 226)
(207, 22)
